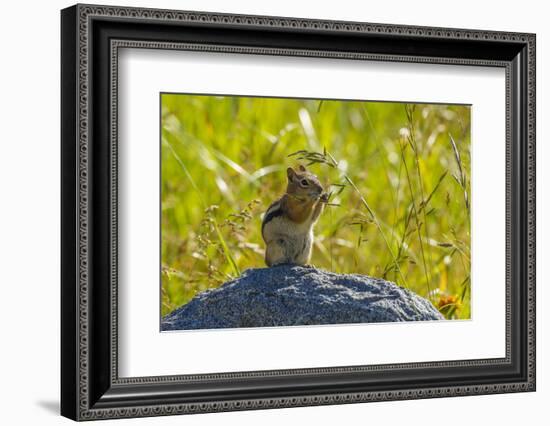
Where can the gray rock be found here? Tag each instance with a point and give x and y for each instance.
(293, 295)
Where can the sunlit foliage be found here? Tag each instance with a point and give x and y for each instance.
(399, 175)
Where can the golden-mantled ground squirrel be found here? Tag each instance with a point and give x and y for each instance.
(287, 227)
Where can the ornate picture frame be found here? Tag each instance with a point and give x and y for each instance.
(91, 37)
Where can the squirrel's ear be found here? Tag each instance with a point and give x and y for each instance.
(302, 168)
(290, 173)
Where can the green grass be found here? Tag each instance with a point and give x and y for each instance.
(399, 176)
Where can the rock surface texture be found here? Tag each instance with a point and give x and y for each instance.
(293, 295)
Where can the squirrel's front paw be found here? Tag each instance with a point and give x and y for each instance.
(324, 197)
(308, 265)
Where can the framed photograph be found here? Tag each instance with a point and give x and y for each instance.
(263, 212)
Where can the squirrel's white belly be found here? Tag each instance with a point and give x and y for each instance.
(288, 242)
(287, 227)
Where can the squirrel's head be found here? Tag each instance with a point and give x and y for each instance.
(303, 184)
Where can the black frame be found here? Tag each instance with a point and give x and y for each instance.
(91, 37)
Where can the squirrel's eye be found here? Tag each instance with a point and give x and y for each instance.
(304, 182)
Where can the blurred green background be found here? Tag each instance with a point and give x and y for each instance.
(224, 162)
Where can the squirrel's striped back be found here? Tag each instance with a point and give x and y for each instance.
(273, 211)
